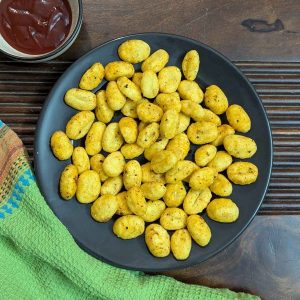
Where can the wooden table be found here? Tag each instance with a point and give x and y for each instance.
(262, 38)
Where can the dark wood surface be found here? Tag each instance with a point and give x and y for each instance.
(262, 38)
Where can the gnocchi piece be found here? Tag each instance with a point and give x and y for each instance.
(134, 51)
(148, 135)
(116, 69)
(222, 210)
(136, 201)
(112, 186)
(149, 84)
(112, 139)
(190, 65)
(68, 182)
(181, 244)
(196, 201)
(169, 123)
(103, 112)
(149, 112)
(200, 133)
(183, 123)
(132, 174)
(129, 129)
(221, 161)
(209, 116)
(192, 109)
(61, 146)
(80, 99)
(129, 227)
(168, 101)
(215, 100)
(190, 90)
(175, 194)
(169, 79)
(205, 154)
(199, 230)
(131, 151)
(239, 146)
(129, 89)
(104, 208)
(242, 173)
(153, 190)
(88, 186)
(179, 145)
(113, 164)
(221, 186)
(92, 77)
(137, 78)
(237, 118)
(202, 178)
(149, 176)
(156, 61)
(96, 163)
(79, 125)
(93, 141)
(163, 161)
(157, 240)
(180, 171)
(114, 96)
(129, 109)
(154, 210)
(123, 208)
(154, 148)
(173, 218)
(80, 159)
(223, 131)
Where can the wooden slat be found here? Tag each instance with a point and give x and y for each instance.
(23, 91)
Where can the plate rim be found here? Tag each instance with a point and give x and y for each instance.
(185, 264)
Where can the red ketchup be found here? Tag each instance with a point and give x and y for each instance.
(35, 26)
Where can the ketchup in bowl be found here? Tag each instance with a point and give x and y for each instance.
(35, 26)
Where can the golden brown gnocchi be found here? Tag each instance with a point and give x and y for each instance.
(113, 164)
(156, 61)
(112, 139)
(196, 201)
(134, 51)
(157, 240)
(173, 218)
(238, 118)
(104, 208)
(68, 182)
(242, 172)
(103, 112)
(61, 146)
(92, 77)
(132, 174)
(129, 227)
(223, 210)
(181, 244)
(169, 79)
(80, 159)
(116, 69)
(215, 100)
(149, 84)
(205, 154)
(190, 65)
(162, 161)
(175, 194)
(129, 129)
(114, 97)
(93, 141)
(200, 133)
(199, 230)
(190, 90)
(80, 99)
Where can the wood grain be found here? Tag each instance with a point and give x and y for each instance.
(263, 261)
(272, 31)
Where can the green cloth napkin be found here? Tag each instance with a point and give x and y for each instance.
(40, 260)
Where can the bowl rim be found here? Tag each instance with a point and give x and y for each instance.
(58, 51)
(186, 263)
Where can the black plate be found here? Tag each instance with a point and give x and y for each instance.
(97, 238)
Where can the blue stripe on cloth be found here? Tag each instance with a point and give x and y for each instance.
(17, 193)
(1, 124)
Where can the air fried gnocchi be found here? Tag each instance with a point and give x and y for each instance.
(92, 77)
(79, 125)
(158, 114)
(68, 182)
(61, 146)
(80, 99)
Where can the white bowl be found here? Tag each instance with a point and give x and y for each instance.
(77, 15)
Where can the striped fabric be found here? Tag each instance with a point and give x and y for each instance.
(15, 172)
